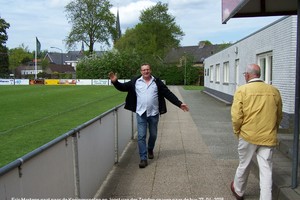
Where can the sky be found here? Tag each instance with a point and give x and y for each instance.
(46, 19)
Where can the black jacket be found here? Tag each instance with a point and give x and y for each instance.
(131, 99)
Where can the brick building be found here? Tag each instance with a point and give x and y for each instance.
(273, 48)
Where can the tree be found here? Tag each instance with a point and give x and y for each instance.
(126, 64)
(163, 26)
(155, 35)
(19, 55)
(92, 22)
(3, 49)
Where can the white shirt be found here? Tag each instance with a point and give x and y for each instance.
(147, 97)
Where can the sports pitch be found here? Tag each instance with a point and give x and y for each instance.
(33, 115)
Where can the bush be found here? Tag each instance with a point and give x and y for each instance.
(126, 64)
(173, 75)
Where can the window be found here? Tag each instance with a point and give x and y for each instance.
(226, 72)
(211, 76)
(237, 72)
(265, 61)
(218, 73)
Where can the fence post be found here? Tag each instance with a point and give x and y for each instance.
(132, 125)
(116, 136)
(76, 165)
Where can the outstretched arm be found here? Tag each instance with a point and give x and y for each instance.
(172, 98)
(124, 87)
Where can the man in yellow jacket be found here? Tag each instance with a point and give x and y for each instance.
(256, 113)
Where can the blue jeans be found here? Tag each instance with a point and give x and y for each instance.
(142, 123)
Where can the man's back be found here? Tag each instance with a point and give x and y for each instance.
(257, 112)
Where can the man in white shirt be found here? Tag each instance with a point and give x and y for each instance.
(146, 96)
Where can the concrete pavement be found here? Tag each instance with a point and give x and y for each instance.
(195, 157)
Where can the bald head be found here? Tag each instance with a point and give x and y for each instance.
(252, 71)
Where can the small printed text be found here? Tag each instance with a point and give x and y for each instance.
(199, 198)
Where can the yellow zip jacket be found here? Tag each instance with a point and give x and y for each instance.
(256, 113)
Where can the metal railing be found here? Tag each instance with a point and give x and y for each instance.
(73, 165)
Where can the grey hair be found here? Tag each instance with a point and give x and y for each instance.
(253, 69)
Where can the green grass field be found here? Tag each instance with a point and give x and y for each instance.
(31, 116)
(193, 87)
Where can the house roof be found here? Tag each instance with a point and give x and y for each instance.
(199, 52)
(61, 68)
(71, 56)
(60, 58)
(29, 66)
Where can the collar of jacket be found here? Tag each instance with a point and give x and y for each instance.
(138, 77)
(255, 80)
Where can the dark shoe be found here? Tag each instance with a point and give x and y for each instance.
(235, 194)
(143, 163)
(150, 154)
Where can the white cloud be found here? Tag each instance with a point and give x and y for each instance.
(57, 3)
(46, 19)
(129, 13)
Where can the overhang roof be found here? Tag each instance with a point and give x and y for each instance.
(257, 8)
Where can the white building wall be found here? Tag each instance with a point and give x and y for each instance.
(279, 38)
(29, 71)
(72, 63)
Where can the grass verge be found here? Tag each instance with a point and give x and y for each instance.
(34, 115)
(193, 87)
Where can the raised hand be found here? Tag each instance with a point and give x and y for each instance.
(112, 76)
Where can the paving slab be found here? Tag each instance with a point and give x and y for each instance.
(195, 157)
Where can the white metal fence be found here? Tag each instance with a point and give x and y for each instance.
(73, 165)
